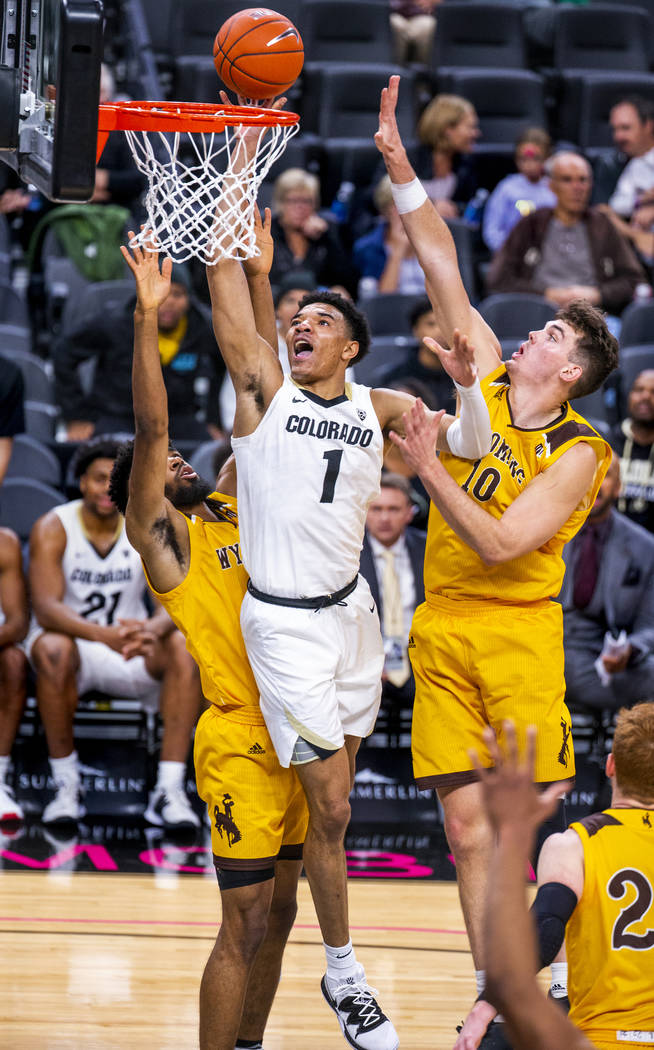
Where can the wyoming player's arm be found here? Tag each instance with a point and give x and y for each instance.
(154, 528)
(533, 518)
(432, 242)
(469, 434)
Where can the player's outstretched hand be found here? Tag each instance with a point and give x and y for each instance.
(248, 134)
(418, 446)
(459, 360)
(387, 137)
(475, 1026)
(260, 264)
(152, 284)
(511, 799)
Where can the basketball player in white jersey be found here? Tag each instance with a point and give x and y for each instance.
(14, 620)
(309, 451)
(92, 631)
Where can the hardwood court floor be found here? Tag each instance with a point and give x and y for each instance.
(113, 962)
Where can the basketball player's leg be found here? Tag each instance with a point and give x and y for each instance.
(180, 696)
(223, 988)
(55, 659)
(266, 971)
(13, 693)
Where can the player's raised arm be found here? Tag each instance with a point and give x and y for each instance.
(431, 240)
(149, 515)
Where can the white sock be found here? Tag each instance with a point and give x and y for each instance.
(4, 767)
(65, 770)
(480, 979)
(341, 962)
(171, 775)
(559, 980)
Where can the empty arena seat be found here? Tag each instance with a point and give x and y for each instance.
(585, 101)
(633, 360)
(388, 313)
(477, 34)
(193, 24)
(341, 100)
(32, 459)
(41, 420)
(37, 375)
(601, 37)
(506, 101)
(346, 31)
(384, 354)
(23, 500)
(13, 308)
(5, 250)
(102, 297)
(512, 315)
(637, 324)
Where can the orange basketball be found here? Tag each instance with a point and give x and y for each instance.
(258, 53)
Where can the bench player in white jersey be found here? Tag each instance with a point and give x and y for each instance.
(309, 451)
(92, 631)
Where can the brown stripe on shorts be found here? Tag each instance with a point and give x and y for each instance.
(233, 864)
(466, 776)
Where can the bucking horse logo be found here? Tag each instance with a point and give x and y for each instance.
(225, 821)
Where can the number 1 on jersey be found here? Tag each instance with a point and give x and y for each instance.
(333, 458)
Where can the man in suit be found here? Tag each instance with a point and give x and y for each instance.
(392, 562)
(609, 587)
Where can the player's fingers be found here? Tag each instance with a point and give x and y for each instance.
(128, 258)
(530, 748)
(490, 739)
(482, 771)
(397, 440)
(167, 268)
(267, 219)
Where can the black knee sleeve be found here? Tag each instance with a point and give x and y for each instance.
(552, 908)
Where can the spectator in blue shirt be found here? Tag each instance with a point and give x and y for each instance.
(518, 195)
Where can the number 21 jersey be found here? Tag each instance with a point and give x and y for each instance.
(103, 590)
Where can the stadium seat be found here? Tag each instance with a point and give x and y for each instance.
(633, 360)
(477, 34)
(37, 375)
(41, 420)
(341, 100)
(5, 250)
(585, 100)
(601, 37)
(464, 242)
(16, 337)
(201, 459)
(23, 500)
(506, 101)
(13, 308)
(102, 297)
(512, 316)
(596, 406)
(384, 354)
(637, 325)
(194, 23)
(388, 313)
(352, 31)
(31, 459)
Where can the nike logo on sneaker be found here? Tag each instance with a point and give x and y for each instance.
(256, 749)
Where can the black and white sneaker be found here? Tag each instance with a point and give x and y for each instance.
(170, 808)
(362, 1022)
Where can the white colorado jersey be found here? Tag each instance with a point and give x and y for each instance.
(306, 476)
(103, 590)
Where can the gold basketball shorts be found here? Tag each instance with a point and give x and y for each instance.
(477, 664)
(257, 809)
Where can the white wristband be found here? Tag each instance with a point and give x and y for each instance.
(408, 195)
(469, 436)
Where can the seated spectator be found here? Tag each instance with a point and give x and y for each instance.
(413, 24)
(385, 254)
(14, 620)
(188, 353)
(632, 124)
(448, 130)
(518, 195)
(424, 365)
(303, 239)
(22, 204)
(92, 631)
(633, 440)
(570, 251)
(609, 587)
(12, 416)
(392, 558)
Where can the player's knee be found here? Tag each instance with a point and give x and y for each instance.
(54, 655)
(245, 923)
(466, 833)
(330, 818)
(13, 669)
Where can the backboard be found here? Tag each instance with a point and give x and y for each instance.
(50, 55)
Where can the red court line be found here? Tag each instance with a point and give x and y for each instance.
(182, 922)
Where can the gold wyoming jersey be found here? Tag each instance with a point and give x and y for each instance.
(452, 568)
(206, 607)
(610, 936)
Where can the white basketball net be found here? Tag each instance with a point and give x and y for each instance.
(202, 206)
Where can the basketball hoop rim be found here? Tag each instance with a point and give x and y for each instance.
(187, 116)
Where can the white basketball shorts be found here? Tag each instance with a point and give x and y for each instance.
(104, 669)
(318, 671)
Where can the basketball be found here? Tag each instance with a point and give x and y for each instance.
(258, 53)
